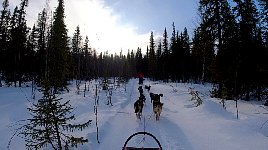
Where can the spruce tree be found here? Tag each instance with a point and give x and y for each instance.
(186, 55)
(264, 27)
(178, 56)
(132, 64)
(166, 56)
(247, 16)
(227, 59)
(87, 72)
(152, 58)
(17, 47)
(264, 19)
(42, 42)
(50, 124)
(196, 57)
(95, 64)
(219, 19)
(145, 62)
(77, 54)
(202, 55)
(139, 61)
(9, 63)
(58, 51)
(174, 58)
(4, 36)
(30, 65)
(212, 12)
(159, 60)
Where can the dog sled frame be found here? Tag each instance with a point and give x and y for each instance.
(142, 133)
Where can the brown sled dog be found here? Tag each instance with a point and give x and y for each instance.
(157, 105)
(157, 110)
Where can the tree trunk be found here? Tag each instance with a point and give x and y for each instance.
(58, 135)
(1, 80)
(259, 93)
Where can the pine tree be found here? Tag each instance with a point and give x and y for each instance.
(202, 55)
(42, 42)
(4, 20)
(126, 67)
(152, 58)
(166, 56)
(58, 51)
(196, 57)
(186, 55)
(264, 28)
(145, 62)
(132, 63)
(4, 36)
(100, 66)
(139, 61)
(77, 54)
(30, 65)
(174, 58)
(9, 53)
(87, 60)
(178, 56)
(95, 64)
(227, 59)
(264, 19)
(247, 16)
(218, 18)
(212, 12)
(50, 124)
(159, 60)
(260, 82)
(17, 47)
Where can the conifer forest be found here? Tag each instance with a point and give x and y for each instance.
(228, 48)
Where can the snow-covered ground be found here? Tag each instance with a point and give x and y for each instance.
(182, 126)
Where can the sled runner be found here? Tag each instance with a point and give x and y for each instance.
(142, 148)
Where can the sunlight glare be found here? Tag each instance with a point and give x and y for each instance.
(100, 24)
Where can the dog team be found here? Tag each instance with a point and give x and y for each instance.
(155, 99)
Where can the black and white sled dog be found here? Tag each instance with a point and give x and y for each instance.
(140, 90)
(138, 106)
(147, 87)
(155, 97)
(142, 97)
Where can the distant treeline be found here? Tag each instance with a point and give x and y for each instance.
(229, 48)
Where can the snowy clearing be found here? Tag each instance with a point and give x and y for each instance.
(182, 126)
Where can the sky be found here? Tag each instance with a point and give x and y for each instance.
(116, 25)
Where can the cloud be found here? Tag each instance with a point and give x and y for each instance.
(100, 23)
(105, 30)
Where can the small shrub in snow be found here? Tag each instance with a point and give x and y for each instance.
(195, 97)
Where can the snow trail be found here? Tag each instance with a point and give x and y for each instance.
(182, 125)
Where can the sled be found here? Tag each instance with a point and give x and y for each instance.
(142, 148)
